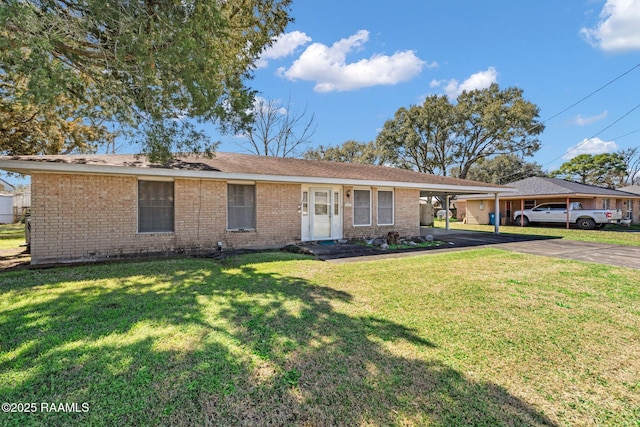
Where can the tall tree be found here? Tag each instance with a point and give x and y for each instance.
(503, 169)
(422, 137)
(278, 130)
(29, 128)
(349, 152)
(631, 158)
(604, 170)
(444, 138)
(154, 68)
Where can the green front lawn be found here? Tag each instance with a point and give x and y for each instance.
(11, 236)
(610, 234)
(482, 337)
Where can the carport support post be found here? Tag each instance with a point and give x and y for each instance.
(568, 213)
(446, 213)
(496, 226)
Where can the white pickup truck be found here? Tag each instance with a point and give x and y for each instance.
(586, 219)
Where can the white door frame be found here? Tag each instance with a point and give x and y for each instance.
(335, 213)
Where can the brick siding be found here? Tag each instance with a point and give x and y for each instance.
(91, 217)
(406, 215)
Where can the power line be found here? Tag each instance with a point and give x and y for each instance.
(627, 134)
(595, 135)
(578, 102)
(592, 93)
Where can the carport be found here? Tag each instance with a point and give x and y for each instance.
(446, 196)
(530, 192)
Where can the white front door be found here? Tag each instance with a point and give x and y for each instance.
(320, 213)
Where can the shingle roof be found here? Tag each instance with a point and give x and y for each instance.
(540, 186)
(635, 189)
(234, 163)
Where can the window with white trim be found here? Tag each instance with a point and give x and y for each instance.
(241, 207)
(385, 207)
(155, 206)
(361, 207)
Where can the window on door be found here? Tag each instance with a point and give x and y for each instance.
(385, 207)
(241, 207)
(361, 207)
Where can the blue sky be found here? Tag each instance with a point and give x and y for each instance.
(353, 63)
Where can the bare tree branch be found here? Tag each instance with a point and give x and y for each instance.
(278, 130)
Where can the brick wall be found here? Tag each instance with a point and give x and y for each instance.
(406, 215)
(89, 217)
(277, 219)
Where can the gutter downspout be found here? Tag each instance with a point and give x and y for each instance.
(521, 212)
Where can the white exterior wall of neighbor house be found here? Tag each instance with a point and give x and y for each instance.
(6, 208)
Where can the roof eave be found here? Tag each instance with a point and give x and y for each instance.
(21, 166)
(553, 196)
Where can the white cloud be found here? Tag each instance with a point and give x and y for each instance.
(619, 26)
(328, 66)
(591, 146)
(284, 45)
(479, 80)
(583, 121)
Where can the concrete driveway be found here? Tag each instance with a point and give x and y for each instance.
(455, 240)
(603, 253)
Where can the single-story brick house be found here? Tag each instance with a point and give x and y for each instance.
(91, 207)
(535, 190)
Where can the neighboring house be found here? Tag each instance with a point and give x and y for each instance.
(635, 189)
(6, 202)
(107, 206)
(535, 190)
(6, 208)
(5, 186)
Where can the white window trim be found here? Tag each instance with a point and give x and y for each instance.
(393, 205)
(354, 207)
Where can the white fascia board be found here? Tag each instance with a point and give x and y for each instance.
(546, 196)
(29, 167)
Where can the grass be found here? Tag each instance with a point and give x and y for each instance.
(11, 235)
(482, 337)
(610, 234)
